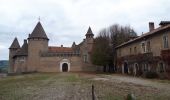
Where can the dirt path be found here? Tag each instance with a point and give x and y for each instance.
(159, 89)
(136, 80)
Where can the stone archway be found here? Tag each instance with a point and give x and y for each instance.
(64, 65)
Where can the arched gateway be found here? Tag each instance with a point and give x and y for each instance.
(64, 65)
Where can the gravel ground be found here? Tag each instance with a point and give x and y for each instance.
(77, 86)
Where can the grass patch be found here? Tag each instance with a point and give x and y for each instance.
(112, 97)
(164, 81)
(17, 87)
(72, 78)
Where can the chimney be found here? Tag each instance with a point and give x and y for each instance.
(151, 26)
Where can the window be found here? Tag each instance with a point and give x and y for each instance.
(22, 59)
(143, 47)
(130, 50)
(135, 50)
(145, 67)
(148, 46)
(165, 41)
(85, 58)
(161, 67)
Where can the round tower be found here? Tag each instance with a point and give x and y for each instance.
(37, 43)
(12, 51)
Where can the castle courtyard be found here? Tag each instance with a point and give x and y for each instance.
(77, 86)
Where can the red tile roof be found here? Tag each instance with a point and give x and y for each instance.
(59, 49)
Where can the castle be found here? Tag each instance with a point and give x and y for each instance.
(149, 52)
(36, 55)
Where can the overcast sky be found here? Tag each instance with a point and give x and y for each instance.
(66, 21)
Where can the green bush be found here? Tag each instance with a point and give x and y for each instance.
(151, 75)
(130, 97)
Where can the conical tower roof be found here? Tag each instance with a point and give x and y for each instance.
(74, 44)
(15, 44)
(24, 49)
(89, 32)
(38, 32)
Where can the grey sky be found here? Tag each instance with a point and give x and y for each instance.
(66, 21)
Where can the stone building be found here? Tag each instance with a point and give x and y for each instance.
(36, 55)
(148, 52)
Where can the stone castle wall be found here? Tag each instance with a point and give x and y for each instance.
(52, 64)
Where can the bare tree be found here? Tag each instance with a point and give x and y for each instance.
(104, 53)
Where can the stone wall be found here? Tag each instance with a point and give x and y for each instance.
(20, 64)
(52, 64)
(35, 46)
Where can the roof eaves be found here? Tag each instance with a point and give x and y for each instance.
(144, 35)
